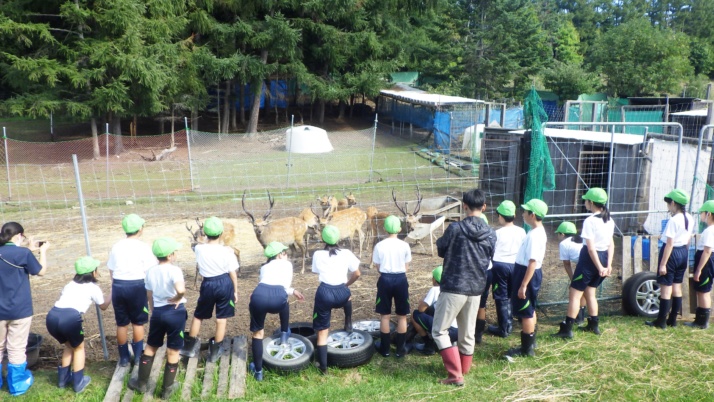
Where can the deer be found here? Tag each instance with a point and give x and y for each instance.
(329, 205)
(312, 220)
(289, 231)
(411, 219)
(348, 202)
(348, 222)
(227, 239)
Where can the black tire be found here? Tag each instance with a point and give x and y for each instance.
(640, 295)
(359, 348)
(302, 328)
(293, 357)
(372, 327)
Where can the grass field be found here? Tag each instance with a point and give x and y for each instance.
(629, 362)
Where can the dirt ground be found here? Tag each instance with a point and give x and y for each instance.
(46, 290)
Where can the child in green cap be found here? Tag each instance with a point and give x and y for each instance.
(218, 266)
(423, 317)
(165, 288)
(64, 321)
(570, 246)
(128, 261)
(392, 256)
(673, 259)
(704, 268)
(332, 264)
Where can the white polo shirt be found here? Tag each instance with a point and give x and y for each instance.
(129, 259)
(432, 296)
(598, 231)
(508, 241)
(333, 270)
(278, 273)
(676, 231)
(80, 296)
(392, 255)
(215, 259)
(707, 238)
(533, 248)
(570, 250)
(161, 280)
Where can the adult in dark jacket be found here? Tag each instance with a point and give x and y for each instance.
(467, 247)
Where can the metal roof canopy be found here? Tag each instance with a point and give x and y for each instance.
(427, 99)
(595, 136)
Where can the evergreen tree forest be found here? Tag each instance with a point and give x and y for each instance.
(114, 60)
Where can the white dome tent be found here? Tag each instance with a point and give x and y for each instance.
(307, 140)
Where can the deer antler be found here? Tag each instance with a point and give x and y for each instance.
(394, 197)
(252, 219)
(313, 212)
(419, 198)
(271, 200)
(200, 225)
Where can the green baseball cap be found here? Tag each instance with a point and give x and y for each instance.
(330, 234)
(567, 228)
(164, 246)
(132, 223)
(436, 273)
(392, 224)
(274, 248)
(596, 194)
(212, 226)
(678, 196)
(538, 207)
(85, 265)
(506, 208)
(707, 207)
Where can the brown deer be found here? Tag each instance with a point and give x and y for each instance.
(411, 219)
(329, 205)
(227, 239)
(289, 231)
(348, 202)
(312, 220)
(348, 221)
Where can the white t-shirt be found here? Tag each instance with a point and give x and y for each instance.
(333, 270)
(598, 231)
(392, 255)
(570, 250)
(508, 241)
(130, 258)
(278, 273)
(80, 296)
(432, 296)
(160, 280)
(533, 248)
(707, 238)
(676, 231)
(215, 259)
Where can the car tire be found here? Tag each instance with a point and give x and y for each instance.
(349, 350)
(372, 327)
(291, 357)
(640, 295)
(302, 329)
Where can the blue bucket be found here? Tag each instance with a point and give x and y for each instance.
(645, 248)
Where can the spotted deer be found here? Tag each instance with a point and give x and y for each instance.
(348, 202)
(312, 220)
(289, 231)
(348, 222)
(227, 238)
(329, 205)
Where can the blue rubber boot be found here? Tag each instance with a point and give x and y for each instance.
(124, 355)
(80, 381)
(138, 348)
(19, 378)
(64, 376)
(284, 336)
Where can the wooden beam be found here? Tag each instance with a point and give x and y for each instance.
(238, 367)
(154, 376)
(639, 248)
(189, 378)
(208, 372)
(626, 258)
(654, 254)
(129, 394)
(116, 385)
(223, 366)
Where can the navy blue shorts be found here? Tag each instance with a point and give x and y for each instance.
(392, 287)
(706, 276)
(586, 273)
(501, 281)
(677, 265)
(426, 321)
(65, 325)
(525, 308)
(266, 299)
(328, 297)
(216, 291)
(167, 321)
(484, 295)
(129, 302)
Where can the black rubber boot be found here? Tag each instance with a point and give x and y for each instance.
(581, 316)
(676, 308)
(215, 350)
(505, 322)
(526, 348)
(401, 340)
(140, 383)
(170, 384)
(348, 317)
(566, 329)
(661, 321)
(592, 325)
(191, 346)
(701, 319)
(480, 328)
(383, 344)
(321, 356)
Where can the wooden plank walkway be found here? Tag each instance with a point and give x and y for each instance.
(231, 375)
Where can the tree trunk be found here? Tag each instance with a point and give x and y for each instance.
(95, 138)
(162, 125)
(321, 111)
(194, 118)
(352, 106)
(341, 115)
(232, 108)
(241, 102)
(116, 130)
(218, 106)
(173, 130)
(255, 107)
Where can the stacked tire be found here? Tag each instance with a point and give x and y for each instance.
(640, 295)
(347, 350)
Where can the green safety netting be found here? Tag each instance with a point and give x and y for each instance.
(541, 174)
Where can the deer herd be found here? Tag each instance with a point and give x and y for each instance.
(295, 232)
